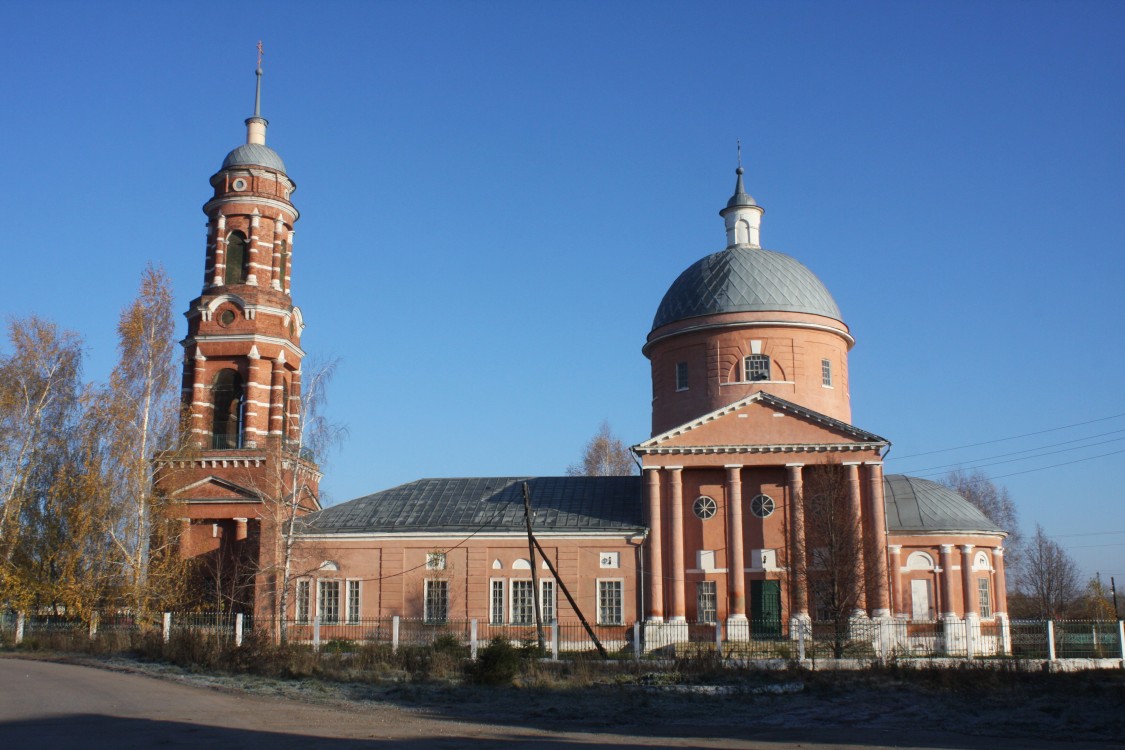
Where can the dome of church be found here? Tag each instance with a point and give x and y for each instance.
(743, 278)
(254, 154)
(915, 504)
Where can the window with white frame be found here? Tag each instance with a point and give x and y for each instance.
(826, 373)
(756, 367)
(437, 601)
(681, 376)
(984, 594)
(611, 595)
(328, 601)
(547, 600)
(707, 599)
(435, 561)
(353, 601)
(496, 616)
(523, 602)
(304, 595)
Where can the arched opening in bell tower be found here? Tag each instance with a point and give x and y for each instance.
(235, 259)
(229, 410)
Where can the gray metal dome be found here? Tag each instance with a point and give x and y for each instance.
(745, 279)
(254, 154)
(915, 504)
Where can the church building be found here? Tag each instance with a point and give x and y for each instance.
(760, 505)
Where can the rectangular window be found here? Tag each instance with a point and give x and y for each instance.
(328, 601)
(826, 373)
(303, 595)
(707, 599)
(353, 601)
(985, 597)
(681, 376)
(756, 367)
(547, 600)
(497, 613)
(435, 561)
(523, 603)
(437, 601)
(610, 598)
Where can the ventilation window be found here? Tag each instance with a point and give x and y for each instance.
(704, 507)
(681, 376)
(826, 373)
(756, 367)
(226, 422)
(762, 506)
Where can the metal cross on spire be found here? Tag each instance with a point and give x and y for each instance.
(737, 141)
(260, 53)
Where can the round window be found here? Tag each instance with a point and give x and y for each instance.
(226, 317)
(704, 507)
(239, 184)
(762, 506)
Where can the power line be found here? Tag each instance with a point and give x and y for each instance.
(1090, 533)
(1016, 453)
(1054, 466)
(1003, 439)
(1028, 458)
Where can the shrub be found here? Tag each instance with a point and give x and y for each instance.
(498, 663)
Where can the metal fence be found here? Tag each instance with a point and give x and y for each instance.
(745, 640)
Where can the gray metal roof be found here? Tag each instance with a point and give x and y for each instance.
(488, 504)
(254, 154)
(745, 279)
(915, 504)
(740, 197)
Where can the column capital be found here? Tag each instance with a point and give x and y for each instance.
(793, 466)
(894, 548)
(674, 468)
(947, 549)
(851, 463)
(966, 548)
(732, 466)
(872, 463)
(997, 551)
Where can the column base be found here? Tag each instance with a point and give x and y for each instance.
(664, 635)
(738, 628)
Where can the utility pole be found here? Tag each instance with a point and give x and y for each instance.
(531, 545)
(1113, 588)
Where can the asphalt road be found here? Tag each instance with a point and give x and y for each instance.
(57, 706)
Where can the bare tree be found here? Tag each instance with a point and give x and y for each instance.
(300, 460)
(605, 456)
(1049, 576)
(995, 502)
(834, 561)
(1096, 601)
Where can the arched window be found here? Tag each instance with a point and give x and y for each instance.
(283, 266)
(284, 411)
(235, 259)
(226, 423)
(756, 367)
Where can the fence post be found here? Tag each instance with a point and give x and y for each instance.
(473, 639)
(719, 638)
(394, 633)
(20, 619)
(166, 626)
(637, 640)
(1051, 640)
(555, 640)
(970, 638)
(316, 633)
(800, 641)
(93, 625)
(238, 630)
(1121, 639)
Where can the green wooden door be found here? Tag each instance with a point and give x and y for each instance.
(765, 608)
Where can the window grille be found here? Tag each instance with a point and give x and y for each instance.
(523, 603)
(826, 373)
(435, 561)
(353, 601)
(497, 603)
(303, 591)
(756, 367)
(328, 601)
(437, 601)
(610, 596)
(707, 598)
(547, 600)
(985, 596)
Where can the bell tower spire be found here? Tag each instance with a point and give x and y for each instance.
(256, 124)
(742, 216)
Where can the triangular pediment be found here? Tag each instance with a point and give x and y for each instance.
(216, 489)
(762, 423)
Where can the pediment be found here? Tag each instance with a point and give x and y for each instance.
(762, 423)
(216, 489)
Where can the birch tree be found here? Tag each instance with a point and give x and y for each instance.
(605, 456)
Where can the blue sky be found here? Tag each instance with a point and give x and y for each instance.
(496, 195)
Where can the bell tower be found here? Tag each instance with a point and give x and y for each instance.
(239, 476)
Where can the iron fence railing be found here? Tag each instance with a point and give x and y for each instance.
(737, 640)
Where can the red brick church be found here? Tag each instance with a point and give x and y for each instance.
(750, 413)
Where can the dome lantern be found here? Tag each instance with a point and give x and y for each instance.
(743, 217)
